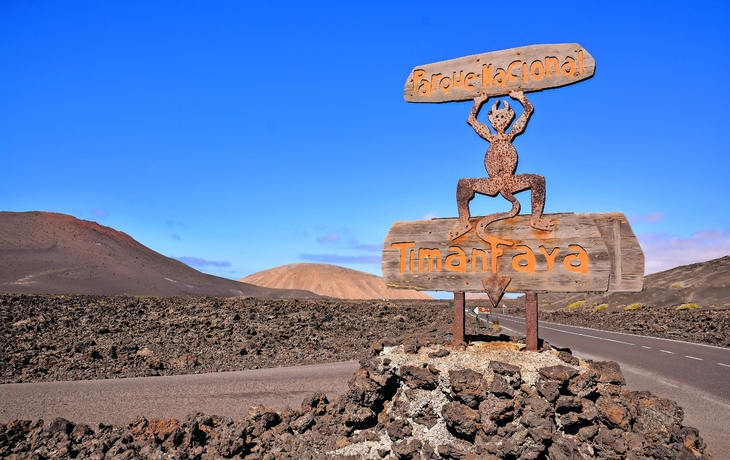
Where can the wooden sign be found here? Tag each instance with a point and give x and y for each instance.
(583, 252)
(483, 310)
(528, 68)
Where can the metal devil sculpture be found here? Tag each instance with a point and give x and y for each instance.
(508, 252)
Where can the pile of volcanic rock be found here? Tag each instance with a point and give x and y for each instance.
(484, 401)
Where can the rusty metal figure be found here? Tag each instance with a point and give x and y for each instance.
(501, 163)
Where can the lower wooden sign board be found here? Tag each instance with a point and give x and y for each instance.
(483, 310)
(584, 253)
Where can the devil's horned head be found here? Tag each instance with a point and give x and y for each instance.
(501, 118)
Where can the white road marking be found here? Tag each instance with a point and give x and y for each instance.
(586, 335)
(716, 401)
(693, 357)
(625, 333)
(665, 351)
(644, 346)
(667, 383)
(726, 365)
(516, 332)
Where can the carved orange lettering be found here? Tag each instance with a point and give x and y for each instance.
(495, 250)
(475, 254)
(510, 74)
(402, 247)
(459, 258)
(537, 70)
(549, 256)
(445, 84)
(580, 62)
(552, 61)
(486, 75)
(528, 257)
(469, 77)
(500, 78)
(412, 255)
(418, 75)
(568, 67)
(458, 82)
(525, 73)
(435, 81)
(580, 260)
(431, 255)
(424, 89)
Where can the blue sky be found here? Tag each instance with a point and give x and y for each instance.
(239, 136)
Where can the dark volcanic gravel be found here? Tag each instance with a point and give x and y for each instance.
(700, 326)
(711, 327)
(49, 338)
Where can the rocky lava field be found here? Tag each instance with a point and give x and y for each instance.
(711, 327)
(415, 396)
(49, 338)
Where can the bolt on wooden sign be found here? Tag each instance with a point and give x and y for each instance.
(505, 251)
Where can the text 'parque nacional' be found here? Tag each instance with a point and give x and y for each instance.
(530, 68)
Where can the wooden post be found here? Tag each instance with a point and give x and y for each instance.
(459, 329)
(531, 320)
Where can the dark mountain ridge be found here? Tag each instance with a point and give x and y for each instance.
(51, 253)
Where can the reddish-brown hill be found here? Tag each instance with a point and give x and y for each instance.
(704, 284)
(49, 253)
(331, 281)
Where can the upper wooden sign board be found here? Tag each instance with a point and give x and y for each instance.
(584, 252)
(528, 68)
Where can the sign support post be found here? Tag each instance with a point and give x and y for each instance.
(459, 304)
(531, 321)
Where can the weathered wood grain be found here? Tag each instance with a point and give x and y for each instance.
(411, 250)
(528, 68)
(625, 251)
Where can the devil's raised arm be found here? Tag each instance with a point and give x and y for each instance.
(519, 126)
(479, 127)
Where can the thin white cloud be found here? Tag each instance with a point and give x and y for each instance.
(100, 213)
(650, 218)
(198, 262)
(368, 247)
(663, 251)
(340, 239)
(331, 238)
(339, 259)
(429, 216)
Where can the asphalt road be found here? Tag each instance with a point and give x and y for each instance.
(696, 376)
(120, 401)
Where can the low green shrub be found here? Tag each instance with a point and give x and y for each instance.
(601, 307)
(675, 286)
(576, 304)
(633, 306)
(687, 306)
